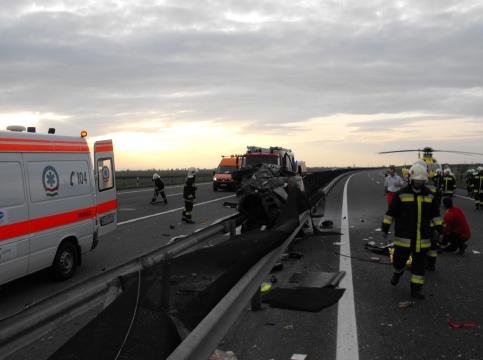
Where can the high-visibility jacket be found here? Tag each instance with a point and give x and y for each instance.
(189, 189)
(449, 184)
(416, 216)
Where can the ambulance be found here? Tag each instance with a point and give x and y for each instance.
(56, 200)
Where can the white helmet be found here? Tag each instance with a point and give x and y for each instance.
(447, 171)
(438, 171)
(156, 176)
(418, 172)
(480, 168)
(191, 172)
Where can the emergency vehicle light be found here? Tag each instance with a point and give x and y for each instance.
(83, 134)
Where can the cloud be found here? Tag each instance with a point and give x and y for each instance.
(108, 65)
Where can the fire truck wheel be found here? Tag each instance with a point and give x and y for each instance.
(65, 264)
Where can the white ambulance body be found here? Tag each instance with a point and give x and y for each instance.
(54, 204)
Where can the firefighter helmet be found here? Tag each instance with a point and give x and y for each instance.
(418, 172)
(156, 176)
(191, 172)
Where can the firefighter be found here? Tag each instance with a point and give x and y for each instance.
(469, 182)
(449, 183)
(456, 230)
(189, 195)
(158, 189)
(437, 180)
(392, 183)
(417, 221)
(478, 187)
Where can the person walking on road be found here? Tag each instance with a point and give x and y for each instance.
(158, 189)
(456, 231)
(392, 183)
(417, 221)
(189, 196)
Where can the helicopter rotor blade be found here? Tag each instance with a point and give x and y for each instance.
(458, 152)
(399, 151)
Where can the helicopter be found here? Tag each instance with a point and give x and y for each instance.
(427, 157)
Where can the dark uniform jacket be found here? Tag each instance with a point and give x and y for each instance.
(416, 217)
(159, 184)
(189, 189)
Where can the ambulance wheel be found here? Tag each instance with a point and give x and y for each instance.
(65, 263)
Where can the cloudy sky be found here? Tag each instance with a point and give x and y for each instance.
(178, 83)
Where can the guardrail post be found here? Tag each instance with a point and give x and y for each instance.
(137, 181)
(232, 228)
(256, 303)
(166, 274)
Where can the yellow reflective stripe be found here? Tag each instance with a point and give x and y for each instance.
(402, 242)
(406, 198)
(432, 253)
(428, 199)
(387, 219)
(437, 221)
(418, 228)
(417, 279)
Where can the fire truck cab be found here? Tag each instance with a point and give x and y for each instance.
(55, 202)
(272, 155)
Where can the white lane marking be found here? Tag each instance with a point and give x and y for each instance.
(170, 211)
(465, 197)
(126, 209)
(151, 189)
(347, 342)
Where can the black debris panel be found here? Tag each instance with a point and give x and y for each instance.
(305, 299)
(134, 326)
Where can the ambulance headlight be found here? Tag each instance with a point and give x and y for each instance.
(214, 179)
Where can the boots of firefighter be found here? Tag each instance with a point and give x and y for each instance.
(395, 278)
(431, 263)
(462, 248)
(183, 217)
(165, 198)
(416, 291)
(189, 220)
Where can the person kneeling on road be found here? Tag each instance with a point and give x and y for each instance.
(189, 195)
(456, 230)
(417, 218)
(158, 189)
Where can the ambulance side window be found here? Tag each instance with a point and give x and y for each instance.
(11, 184)
(106, 178)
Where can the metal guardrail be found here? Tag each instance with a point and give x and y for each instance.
(43, 316)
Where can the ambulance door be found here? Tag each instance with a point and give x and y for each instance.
(14, 225)
(105, 186)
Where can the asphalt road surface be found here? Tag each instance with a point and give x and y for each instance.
(367, 323)
(378, 329)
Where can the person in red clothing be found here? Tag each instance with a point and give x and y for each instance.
(456, 230)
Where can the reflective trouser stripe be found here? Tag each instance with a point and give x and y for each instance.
(417, 279)
(418, 228)
(402, 242)
(387, 219)
(425, 243)
(433, 253)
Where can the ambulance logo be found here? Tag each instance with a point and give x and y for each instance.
(106, 174)
(50, 179)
